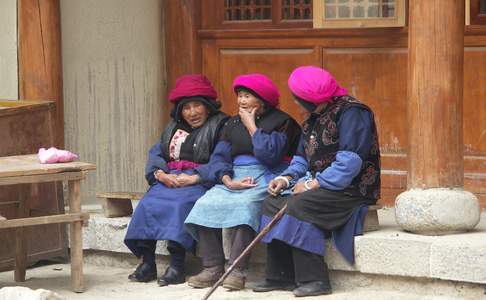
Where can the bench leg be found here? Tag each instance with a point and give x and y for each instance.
(21, 234)
(114, 207)
(371, 222)
(76, 238)
(20, 255)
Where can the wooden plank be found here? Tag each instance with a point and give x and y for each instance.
(76, 237)
(40, 71)
(44, 220)
(120, 195)
(8, 108)
(26, 165)
(42, 178)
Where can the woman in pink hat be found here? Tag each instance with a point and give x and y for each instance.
(171, 171)
(256, 145)
(331, 180)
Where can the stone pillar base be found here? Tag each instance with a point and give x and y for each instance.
(437, 211)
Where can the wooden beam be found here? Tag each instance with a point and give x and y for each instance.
(39, 54)
(53, 219)
(42, 178)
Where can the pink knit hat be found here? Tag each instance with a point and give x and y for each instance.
(314, 85)
(261, 85)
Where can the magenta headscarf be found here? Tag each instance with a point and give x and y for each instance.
(191, 86)
(261, 85)
(314, 85)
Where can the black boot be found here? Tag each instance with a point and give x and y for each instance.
(145, 272)
(313, 288)
(274, 285)
(172, 276)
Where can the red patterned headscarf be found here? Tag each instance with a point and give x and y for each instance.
(192, 86)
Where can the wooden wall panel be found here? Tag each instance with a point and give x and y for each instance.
(377, 77)
(474, 102)
(373, 68)
(275, 63)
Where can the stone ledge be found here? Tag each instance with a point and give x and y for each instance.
(389, 251)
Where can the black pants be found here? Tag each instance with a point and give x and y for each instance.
(287, 263)
(211, 245)
(177, 252)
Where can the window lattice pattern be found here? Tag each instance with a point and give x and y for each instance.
(357, 9)
(482, 7)
(245, 10)
(297, 9)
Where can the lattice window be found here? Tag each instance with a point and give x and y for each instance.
(475, 12)
(359, 13)
(352, 9)
(296, 9)
(482, 7)
(247, 10)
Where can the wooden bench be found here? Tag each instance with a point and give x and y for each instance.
(118, 204)
(371, 222)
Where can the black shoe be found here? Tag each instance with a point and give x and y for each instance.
(313, 288)
(145, 272)
(273, 285)
(172, 276)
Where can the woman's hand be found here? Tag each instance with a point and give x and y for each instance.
(169, 180)
(245, 183)
(248, 119)
(186, 180)
(276, 186)
(300, 186)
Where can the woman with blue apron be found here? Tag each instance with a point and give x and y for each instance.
(255, 146)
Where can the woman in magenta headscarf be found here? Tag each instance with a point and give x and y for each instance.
(175, 184)
(256, 145)
(330, 182)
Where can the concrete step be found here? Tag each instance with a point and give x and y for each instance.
(390, 257)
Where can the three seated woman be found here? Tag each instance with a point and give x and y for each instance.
(209, 172)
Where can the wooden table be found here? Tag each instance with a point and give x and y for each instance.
(26, 170)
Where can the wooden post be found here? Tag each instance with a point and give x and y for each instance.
(183, 49)
(435, 85)
(76, 237)
(40, 70)
(21, 242)
(435, 92)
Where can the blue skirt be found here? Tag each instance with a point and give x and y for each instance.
(160, 215)
(221, 207)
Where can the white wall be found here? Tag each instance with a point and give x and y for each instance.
(113, 82)
(8, 50)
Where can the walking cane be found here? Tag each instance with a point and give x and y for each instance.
(264, 231)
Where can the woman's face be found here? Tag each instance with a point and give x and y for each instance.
(195, 113)
(247, 101)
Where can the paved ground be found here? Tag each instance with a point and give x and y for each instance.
(103, 283)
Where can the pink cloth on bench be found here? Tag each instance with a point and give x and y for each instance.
(54, 155)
